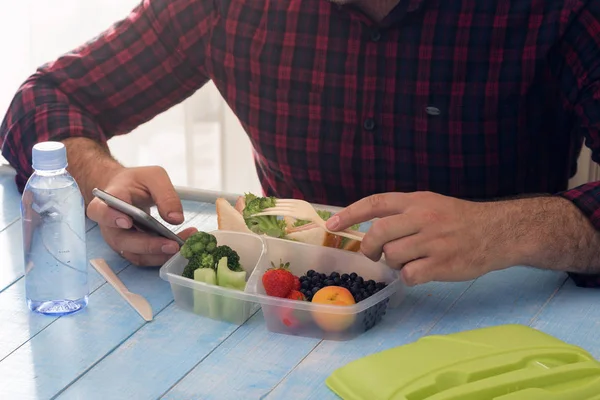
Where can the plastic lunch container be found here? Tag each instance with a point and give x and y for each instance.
(291, 317)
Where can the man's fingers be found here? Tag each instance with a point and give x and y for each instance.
(144, 260)
(418, 272)
(375, 206)
(163, 193)
(186, 233)
(387, 230)
(139, 242)
(143, 250)
(402, 251)
(107, 216)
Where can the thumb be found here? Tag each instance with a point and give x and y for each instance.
(163, 194)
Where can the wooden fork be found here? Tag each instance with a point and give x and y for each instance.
(301, 209)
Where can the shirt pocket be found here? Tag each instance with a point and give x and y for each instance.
(302, 137)
(284, 126)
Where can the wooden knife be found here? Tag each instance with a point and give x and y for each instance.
(138, 302)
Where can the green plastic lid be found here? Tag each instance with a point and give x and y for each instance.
(507, 362)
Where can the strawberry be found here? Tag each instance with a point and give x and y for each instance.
(278, 281)
(296, 295)
(296, 283)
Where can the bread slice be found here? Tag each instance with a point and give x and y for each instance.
(228, 218)
(352, 245)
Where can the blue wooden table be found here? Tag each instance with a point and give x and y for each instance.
(109, 352)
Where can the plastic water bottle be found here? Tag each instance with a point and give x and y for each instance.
(54, 247)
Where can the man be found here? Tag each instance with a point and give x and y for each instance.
(457, 123)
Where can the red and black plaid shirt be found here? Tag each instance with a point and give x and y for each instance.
(472, 99)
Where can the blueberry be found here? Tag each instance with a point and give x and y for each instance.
(315, 290)
(323, 276)
(371, 282)
(305, 284)
(315, 279)
(310, 272)
(353, 276)
(329, 282)
(337, 280)
(380, 285)
(359, 279)
(345, 277)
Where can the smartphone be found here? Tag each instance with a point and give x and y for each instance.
(141, 219)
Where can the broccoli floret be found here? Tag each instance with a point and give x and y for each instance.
(198, 249)
(198, 243)
(268, 224)
(233, 259)
(203, 260)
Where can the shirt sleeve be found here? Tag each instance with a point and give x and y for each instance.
(136, 69)
(578, 63)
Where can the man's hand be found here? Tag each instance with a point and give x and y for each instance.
(438, 238)
(142, 187)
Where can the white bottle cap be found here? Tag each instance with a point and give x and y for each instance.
(49, 156)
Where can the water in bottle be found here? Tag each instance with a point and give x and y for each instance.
(53, 217)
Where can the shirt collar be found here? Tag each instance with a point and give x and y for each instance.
(398, 12)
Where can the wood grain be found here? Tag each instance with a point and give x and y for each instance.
(245, 366)
(10, 200)
(573, 315)
(179, 340)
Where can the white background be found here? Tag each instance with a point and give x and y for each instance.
(200, 142)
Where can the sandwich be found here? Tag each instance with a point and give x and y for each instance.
(239, 218)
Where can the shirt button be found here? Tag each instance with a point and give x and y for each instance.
(432, 110)
(369, 124)
(375, 35)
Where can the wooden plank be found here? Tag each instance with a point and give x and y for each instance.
(265, 360)
(512, 296)
(246, 365)
(11, 248)
(42, 368)
(10, 201)
(20, 324)
(153, 358)
(53, 358)
(573, 316)
(170, 357)
(483, 304)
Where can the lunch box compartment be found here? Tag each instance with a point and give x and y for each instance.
(212, 301)
(332, 322)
